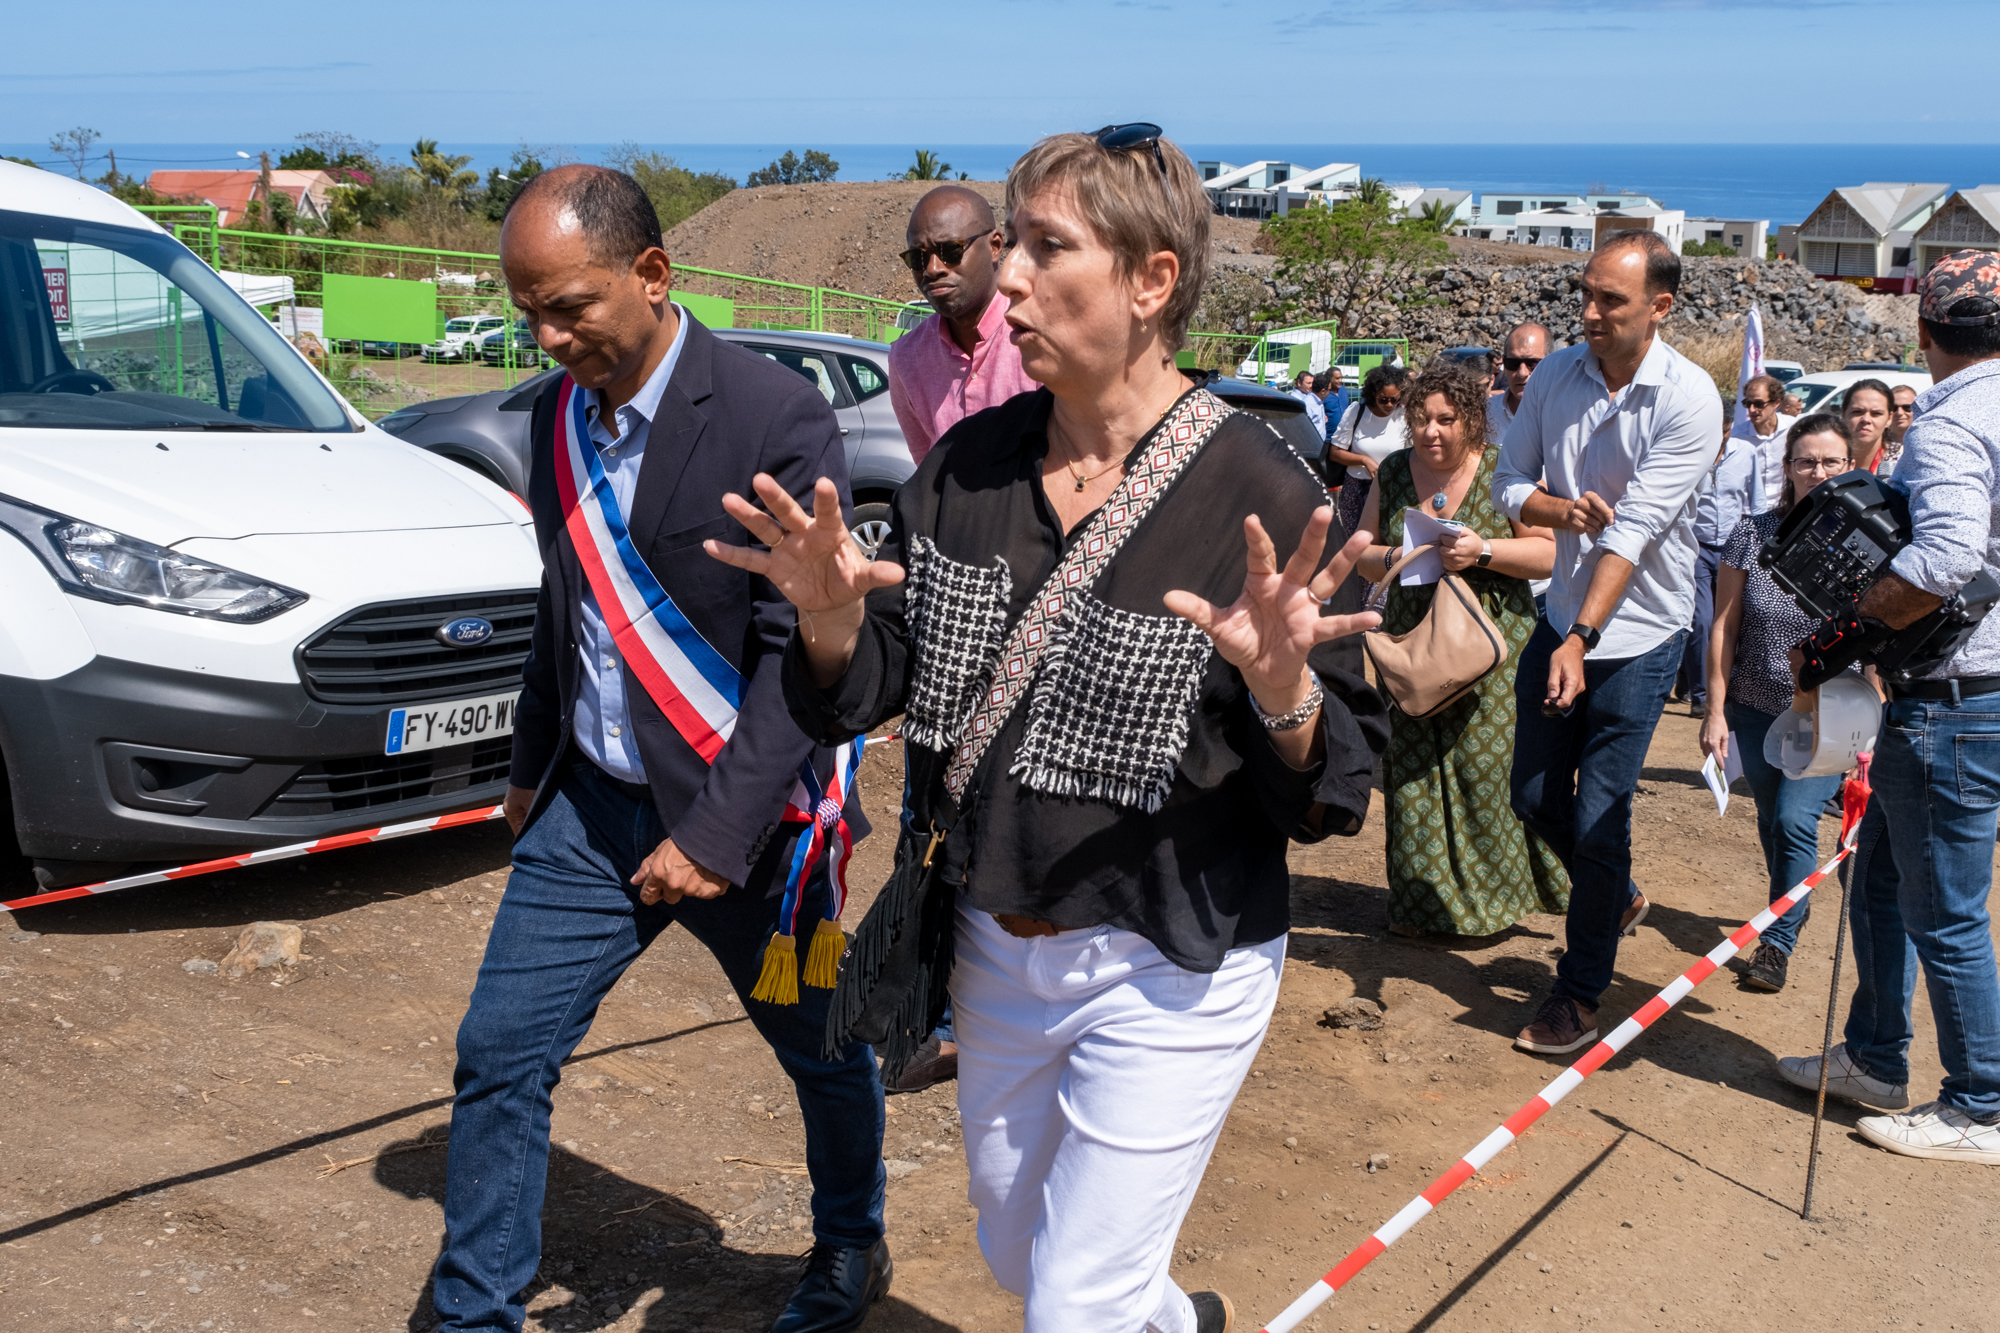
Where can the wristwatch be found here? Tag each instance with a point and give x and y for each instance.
(1485, 554)
(1588, 633)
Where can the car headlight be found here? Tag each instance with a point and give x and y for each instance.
(108, 566)
(398, 422)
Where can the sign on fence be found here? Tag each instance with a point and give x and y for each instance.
(55, 280)
(379, 309)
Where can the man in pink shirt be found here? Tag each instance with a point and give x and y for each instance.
(959, 360)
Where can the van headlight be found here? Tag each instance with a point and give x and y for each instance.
(111, 567)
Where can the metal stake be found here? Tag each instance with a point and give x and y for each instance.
(1826, 1046)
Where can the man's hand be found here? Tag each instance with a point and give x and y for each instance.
(669, 876)
(1565, 673)
(1589, 514)
(514, 807)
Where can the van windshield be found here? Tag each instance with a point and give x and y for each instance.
(118, 328)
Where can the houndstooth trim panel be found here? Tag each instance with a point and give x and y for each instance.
(1109, 714)
(957, 618)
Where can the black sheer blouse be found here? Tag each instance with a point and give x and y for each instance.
(1133, 786)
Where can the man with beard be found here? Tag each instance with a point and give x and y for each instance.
(960, 360)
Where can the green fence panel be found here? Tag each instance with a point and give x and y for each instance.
(717, 312)
(380, 309)
(1299, 359)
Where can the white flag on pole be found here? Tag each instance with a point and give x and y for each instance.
(1753, 361)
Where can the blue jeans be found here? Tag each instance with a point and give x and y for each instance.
(566, 930)
(1923, 867)
(1787, 818)
(1694, 662)
(1572, 785)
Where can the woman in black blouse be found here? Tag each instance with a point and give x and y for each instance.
(1114, 860)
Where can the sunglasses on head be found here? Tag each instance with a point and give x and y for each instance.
(1139, 134)
(918, 257)
(1516, 362)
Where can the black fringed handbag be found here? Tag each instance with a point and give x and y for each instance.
(895, 979)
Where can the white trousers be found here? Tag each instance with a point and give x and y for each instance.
(1093, 1079)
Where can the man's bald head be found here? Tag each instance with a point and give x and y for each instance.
(607, 209)
(1529, 339)
(959, 211)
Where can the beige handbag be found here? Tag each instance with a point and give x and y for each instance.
(1450, 651)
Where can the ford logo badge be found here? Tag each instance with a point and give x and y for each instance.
(465, 632)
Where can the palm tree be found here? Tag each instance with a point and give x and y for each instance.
(1371, 190)
(1436, 215)
(929, 167)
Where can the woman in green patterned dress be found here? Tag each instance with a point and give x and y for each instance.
(1460, 861)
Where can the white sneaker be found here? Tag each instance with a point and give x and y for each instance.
(1934, 1130)
(1844, 1079)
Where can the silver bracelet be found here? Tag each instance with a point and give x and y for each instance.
(1295, 719)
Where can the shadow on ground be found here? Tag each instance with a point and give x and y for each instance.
(610, 1244)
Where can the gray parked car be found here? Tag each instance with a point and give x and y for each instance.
(488, 432)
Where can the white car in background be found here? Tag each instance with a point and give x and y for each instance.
(233, 614)
(1827, 391)
(463, 335)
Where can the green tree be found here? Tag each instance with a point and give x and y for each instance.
(1707, 249)
(794, 170)
(24, 161)
(502, 186)
(676, 192)
(929, 167)
(331, 151)
(443, 172)
(1334, 263)
(1371, 190)
(74, 146)
(1435, 215)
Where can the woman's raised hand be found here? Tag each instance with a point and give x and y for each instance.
(812, 561)
(1268, 630)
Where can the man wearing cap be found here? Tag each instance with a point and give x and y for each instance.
(959, 360)
(1924, 864)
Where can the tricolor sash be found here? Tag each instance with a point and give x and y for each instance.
(697, 689)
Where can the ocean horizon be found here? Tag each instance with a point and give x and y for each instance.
(1779, 182)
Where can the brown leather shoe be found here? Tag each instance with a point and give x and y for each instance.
(1561, 1026)
(931, 1063)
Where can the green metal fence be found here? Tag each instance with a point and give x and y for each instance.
(1274, 357)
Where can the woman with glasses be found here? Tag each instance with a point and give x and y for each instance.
(1460, 861)
(1750, 684)
(1902, 411)
(1094, 611)
(1371, 430)
(1870, 406)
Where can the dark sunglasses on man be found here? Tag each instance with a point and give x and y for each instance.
(1516, 362)
(1756, 404)
(918, 257)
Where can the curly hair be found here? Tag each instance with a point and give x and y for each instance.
(1465, 391)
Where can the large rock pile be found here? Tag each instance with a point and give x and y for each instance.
(1821, 325)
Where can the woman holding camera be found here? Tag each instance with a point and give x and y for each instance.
(1750, 685)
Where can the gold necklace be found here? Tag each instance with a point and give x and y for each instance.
(1075, 471)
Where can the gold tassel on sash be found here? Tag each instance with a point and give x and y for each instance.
(779, 983)
(829, 942)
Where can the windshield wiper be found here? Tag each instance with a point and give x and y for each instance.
(232, 425)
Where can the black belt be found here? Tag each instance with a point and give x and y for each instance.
(1944, 689)
(583, 763)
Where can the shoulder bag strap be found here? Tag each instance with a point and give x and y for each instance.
(1379, 594)
(1176, 440)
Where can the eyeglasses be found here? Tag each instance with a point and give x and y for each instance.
(1754, 403)
(1139, 134)
(919, 257)
(1826, 465)
(1903, 409)
(1516, 362)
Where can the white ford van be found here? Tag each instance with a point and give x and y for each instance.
(233, 614)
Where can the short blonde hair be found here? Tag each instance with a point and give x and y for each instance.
(1134, 210)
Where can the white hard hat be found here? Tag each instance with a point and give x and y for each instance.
(1829, 739)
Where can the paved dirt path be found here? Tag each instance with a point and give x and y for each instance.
(166, 1134)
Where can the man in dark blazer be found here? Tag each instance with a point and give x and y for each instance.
(623, 827)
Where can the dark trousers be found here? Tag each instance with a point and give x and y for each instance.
(1572, 785)
(568, 926)
(1694, 662)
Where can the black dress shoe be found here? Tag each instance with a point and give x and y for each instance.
(838, 1287)
(1767, 968)
(929, 1064)
(1212, 1312)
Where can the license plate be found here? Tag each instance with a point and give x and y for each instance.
(432, 726)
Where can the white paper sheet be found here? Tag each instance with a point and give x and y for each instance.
(1419, 528)
(1718, 782)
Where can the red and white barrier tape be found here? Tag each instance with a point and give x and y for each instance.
(382, 834)
(1392, 1230)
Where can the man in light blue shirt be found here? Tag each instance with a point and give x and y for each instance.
(603, 723)
(1727, 497)
(1620, 432)
(1302, 389)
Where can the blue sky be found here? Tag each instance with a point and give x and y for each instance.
(1004, 71)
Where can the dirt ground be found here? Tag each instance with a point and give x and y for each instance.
(187, 1152)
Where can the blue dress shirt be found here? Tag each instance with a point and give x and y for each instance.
(602, 722)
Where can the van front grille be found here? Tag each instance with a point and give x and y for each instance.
(389, 653)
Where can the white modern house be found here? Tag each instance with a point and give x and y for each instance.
(1272, 187)
(1570, 227)
(1968, 220)
(1863, 234)
(1458, 204)
(1743, 235)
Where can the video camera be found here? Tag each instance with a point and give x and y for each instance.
(1831, 549)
